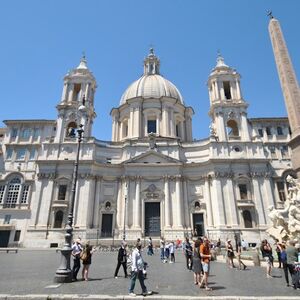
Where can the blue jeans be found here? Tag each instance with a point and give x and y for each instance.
(162, 253)
(134, 276)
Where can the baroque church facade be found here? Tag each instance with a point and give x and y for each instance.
(152, 178)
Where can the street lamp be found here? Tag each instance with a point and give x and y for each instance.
(125, 208)
(63, 273)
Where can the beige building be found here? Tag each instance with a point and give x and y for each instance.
(152, 178)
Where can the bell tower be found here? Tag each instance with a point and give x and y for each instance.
(77, 100)
(228, 109)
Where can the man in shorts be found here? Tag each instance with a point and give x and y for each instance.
(206, 256)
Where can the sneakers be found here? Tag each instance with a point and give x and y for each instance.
(132, 294)
(116, 277)
(147, 293)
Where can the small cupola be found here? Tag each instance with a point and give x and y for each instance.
(151, 63)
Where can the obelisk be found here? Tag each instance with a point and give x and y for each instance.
(289, 86)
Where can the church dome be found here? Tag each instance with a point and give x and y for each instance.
(151, 84)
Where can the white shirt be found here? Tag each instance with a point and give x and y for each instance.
(137, 260)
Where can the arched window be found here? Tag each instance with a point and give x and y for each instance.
(247, 219)
(232, 128)
(14, 187)
(71, 130)
(58, 220)
(197, 205)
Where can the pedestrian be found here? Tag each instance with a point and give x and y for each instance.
(291, 259)
(205, 257)
(238, 255)
(86, 257)
(197, 265)
(230, 254)
(266, 251)
(137, 271)
(171, 247)
(167, 251)
(188, 252)
(76, 250)
(283, 259)
(278, 252)
(162, 249)
(150, 247)
(122, 259)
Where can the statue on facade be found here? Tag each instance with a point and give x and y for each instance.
(152, 143)
(286, 221)
(213, 132)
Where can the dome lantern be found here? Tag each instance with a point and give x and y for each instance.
(151, 64)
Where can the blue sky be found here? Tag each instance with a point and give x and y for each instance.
(42, 40)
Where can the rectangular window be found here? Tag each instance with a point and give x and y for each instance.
(32, 154)
(2, 189)
(268, 130)
(36, 133)
(17, 235)
(273, 151)
(151, 126)
(279, 130)
(260, 132)
(227, 92)
(21, 153)
(9, 153)
(12, 195)
(243, 191)
(281, 192)
(25, 134)
(62, 191)
(7, 219)
(25, 194)
(14, 133)
(284, 152)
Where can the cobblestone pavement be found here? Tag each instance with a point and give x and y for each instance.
(32, 272)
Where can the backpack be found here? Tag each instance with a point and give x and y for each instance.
(83, 255)
(283, 256)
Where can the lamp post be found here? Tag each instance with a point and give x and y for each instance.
(125, 210)
(63, 273)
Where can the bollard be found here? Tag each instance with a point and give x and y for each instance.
(255, 258)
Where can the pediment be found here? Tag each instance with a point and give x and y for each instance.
(153, 157)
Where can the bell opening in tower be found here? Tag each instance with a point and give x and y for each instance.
(226, 86)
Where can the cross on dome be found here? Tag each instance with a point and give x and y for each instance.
(83, 62)
(220, 60)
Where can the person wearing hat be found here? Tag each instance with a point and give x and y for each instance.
(122, 259)
(137, 271)
(76, 251)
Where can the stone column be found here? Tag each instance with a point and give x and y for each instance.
(218, 202)
(232, 203)
(119, 204)
(145, 124)
(186, 203)
(179, 201)
(210, 218)
(172, 123)
(137, 209)
(238, 89)
(167, 203)
(221, 127)
(131, 123)
(64, 93)
(244, 124)
(290, 88)
(217, 91)
(97, 202)
(269, 195)
(182, 135)
(258, 200)
(71, 91)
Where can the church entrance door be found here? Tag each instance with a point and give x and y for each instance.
(152, 219)
(106, 228)
(4, 238)
(198, 224)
